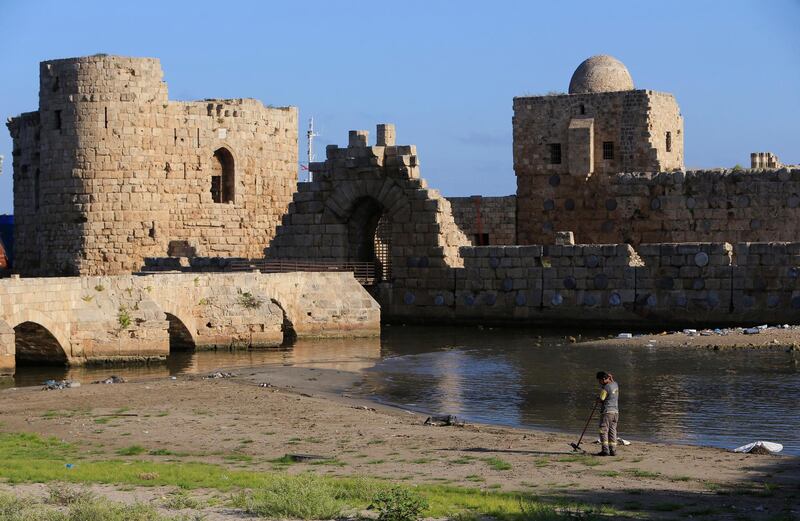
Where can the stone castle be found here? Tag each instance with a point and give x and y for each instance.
(110, 176)
(109, 171)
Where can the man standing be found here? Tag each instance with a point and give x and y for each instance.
(609, 413)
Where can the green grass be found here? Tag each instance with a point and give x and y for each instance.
(463, 460)
(585, 459)
(133, 450)
(26, 458)
(609, 473)
(497, 464)
(638, 473)
(14, 508)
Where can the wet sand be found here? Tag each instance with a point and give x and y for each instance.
(308, 410)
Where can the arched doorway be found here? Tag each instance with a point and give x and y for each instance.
(180, 339)
(223, 183)
(35, 344)
(369, 233)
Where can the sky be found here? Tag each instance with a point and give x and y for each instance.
(444, 73)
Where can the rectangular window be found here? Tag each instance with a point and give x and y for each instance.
(669, 141)
(608, 150)
(57, 119)
(555, 153)
(36, 190)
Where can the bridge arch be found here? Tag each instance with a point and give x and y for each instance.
(39, 339)
(180, 336)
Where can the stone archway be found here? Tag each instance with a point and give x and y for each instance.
(223, 176)
(35, 344)
(369, 236)
(180, 338)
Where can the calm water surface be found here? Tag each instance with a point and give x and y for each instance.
(513, 377)
(517, 377)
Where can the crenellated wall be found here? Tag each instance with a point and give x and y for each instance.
(109, 171)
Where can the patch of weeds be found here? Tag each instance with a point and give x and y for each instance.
(181, 500)
(585, 459)
(376, 442)
(161, 452)
(463, 460)
(283, 461)
(103, 420)
(64, 495)
(494, 486)
(124, 318)
(203, 302)
(680, 478)
(497, 464)
(422, 461)
(162, 414)
(238, 457)
(609, 473)
(475, 478)
(639, 473)
(330, 462)
(99, 288)
(249, 301)
(541, 462)
(398, 504)
(133, 450)
(87, 298)
(376, 462)
(246, 441)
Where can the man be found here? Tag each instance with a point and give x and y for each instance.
(609, 413)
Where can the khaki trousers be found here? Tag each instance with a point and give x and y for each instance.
(608, 428)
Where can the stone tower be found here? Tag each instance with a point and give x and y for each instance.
(567, 147)
(108, 171)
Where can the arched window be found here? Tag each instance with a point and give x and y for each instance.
(222, 176)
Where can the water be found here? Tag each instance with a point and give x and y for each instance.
(696, 396)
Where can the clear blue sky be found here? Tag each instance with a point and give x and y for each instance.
(444, 72)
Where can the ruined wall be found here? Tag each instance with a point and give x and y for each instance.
(109, 171)
(652, 286)
(486, 220)
(595, 135)
(694, 206)
(360, 191)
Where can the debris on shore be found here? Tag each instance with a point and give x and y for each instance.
(52, 385)
(113, 379)
(218, 374)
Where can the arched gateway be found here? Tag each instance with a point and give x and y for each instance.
(368, 204)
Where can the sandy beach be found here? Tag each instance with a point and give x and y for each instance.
(263, 414)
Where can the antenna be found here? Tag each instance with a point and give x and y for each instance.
(310, 134)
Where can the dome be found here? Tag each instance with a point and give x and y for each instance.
(601, 73)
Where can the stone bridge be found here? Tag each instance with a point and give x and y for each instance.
(75, 320)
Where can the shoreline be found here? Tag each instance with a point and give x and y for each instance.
(305, 410)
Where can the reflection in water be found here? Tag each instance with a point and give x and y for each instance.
(352, 354)
(721, 398)
(516, 377)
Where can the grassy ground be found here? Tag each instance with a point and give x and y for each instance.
(28, 458)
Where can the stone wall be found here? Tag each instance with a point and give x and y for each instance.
(109, 171)
(654, 285)
(595, 136)
(694, 206)
(112, 318)
(486, 220)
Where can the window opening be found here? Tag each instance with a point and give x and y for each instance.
(669, 141)
(583, 109)
(555, 153)
(481, 239)
(57, 121)
(105, 116)
(608, 150)
(222, 177)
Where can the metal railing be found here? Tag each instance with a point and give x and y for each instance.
(364, 272)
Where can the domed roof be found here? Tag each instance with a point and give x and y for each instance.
(601, 73)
